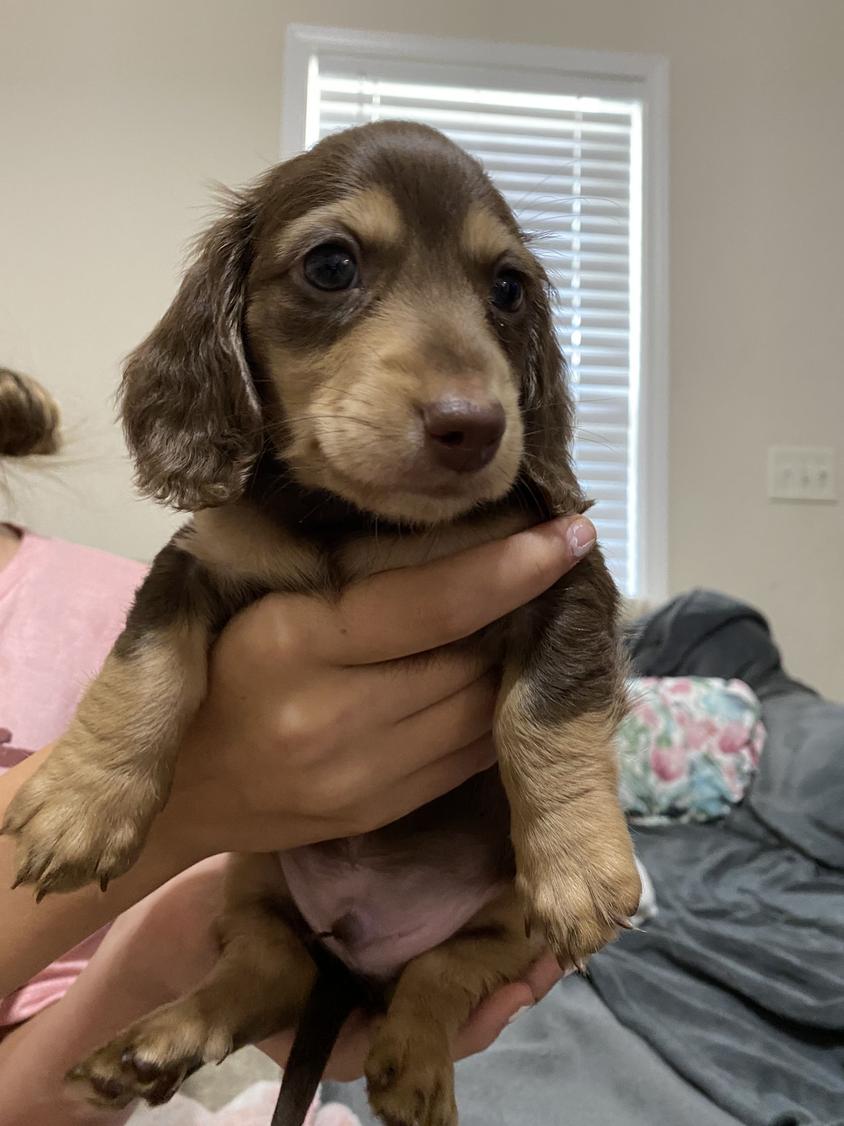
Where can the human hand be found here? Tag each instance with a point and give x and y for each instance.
(310, 701)
(481, 1030)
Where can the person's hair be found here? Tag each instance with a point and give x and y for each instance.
(29, 416)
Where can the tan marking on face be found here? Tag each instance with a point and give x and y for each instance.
(355, 410)
(371, 216)
(486, 239)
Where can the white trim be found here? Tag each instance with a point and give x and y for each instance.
(652, 531)
(626, 76)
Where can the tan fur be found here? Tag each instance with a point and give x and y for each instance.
(240, 542)
(370, 215)
(350, 412)
(576, 876)
(364, 557)
(84, 815)
(486, 239)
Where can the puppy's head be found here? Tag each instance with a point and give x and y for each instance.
(371, 312)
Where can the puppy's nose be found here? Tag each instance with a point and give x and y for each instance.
(463, 434)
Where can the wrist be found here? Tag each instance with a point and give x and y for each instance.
(181, 834)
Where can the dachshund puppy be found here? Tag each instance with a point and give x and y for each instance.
(358, 373)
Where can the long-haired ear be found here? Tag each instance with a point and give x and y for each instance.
(549, 414)
(190, 410)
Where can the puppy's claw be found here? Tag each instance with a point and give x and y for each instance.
(581, 967)
(107, 1087)
(528, 926)
(104, 883)
(145, 1070)
(625, 923)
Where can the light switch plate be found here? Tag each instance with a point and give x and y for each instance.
(801, 473)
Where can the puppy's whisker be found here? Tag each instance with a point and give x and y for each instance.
(595, 440)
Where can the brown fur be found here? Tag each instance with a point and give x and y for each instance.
(288, 418)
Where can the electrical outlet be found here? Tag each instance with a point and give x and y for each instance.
(801, 473)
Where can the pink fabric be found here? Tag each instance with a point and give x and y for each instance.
(61, 608)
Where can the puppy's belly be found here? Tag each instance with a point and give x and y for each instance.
(392, 894)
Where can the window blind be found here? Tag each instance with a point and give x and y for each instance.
(566, 164)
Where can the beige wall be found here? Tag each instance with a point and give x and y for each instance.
(116, 115)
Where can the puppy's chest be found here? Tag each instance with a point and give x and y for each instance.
(363, 556)
(240, 543)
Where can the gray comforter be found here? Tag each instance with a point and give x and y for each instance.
(730, 1005)
(739, 983)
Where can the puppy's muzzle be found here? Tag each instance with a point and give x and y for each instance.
(463, 434)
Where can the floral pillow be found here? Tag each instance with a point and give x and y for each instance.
(688, 749)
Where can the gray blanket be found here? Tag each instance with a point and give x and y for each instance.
(567, 1062)
(739, 983)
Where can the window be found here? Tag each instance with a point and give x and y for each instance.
(572, 140)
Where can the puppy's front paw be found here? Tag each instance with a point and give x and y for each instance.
(151, 1059)
(579, 889)
(410, 1076)
(76, 824)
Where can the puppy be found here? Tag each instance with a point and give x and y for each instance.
(363, 342)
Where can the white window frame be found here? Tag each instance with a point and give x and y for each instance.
(639, 77)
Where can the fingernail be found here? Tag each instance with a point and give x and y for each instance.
(581, 536)
(519, 1012)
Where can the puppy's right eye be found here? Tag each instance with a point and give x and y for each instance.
(331, 266)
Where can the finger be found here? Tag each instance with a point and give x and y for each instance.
(444, 727)
(347, 1056)
(544, 974)
(349, 1053)
(432, 781)
(415, 609)
(409, 686)
(491, 1018)
(397, 690)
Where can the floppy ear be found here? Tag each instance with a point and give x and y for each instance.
(549, 414)
(190, 412)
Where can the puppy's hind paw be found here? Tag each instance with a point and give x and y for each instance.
(151, 1059)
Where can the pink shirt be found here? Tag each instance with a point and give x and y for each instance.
(61, 608)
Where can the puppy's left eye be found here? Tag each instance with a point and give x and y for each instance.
(331, 266)
(507, 291)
